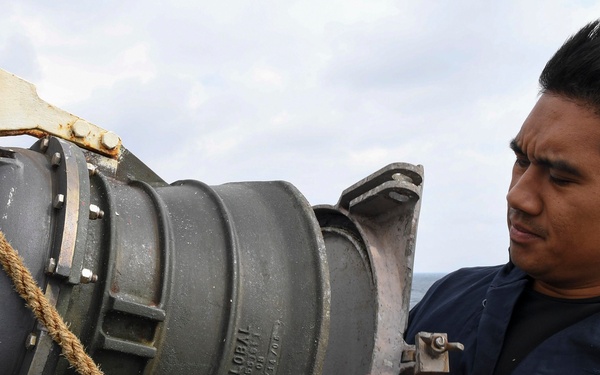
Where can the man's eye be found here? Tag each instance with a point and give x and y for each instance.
(559, 181)
(522, 163)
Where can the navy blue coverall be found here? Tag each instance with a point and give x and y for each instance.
(474, 305)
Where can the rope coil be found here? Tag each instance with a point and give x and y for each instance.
(44, 311)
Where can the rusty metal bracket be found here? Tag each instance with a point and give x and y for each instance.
(381, 212)
(23, 112)
(396, 185)
(386, 206)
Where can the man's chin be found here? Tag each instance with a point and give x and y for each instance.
(524, 258)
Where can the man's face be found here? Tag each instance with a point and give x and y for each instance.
(554, 195)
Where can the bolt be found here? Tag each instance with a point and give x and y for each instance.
(87, 276)
(400, 197)
(56, 157)
(95, 212)
(59, 201)
(80, 129)
(110, 140)
(401, 177)
(92, 169)
(44, 144)
(31, 341)
(51, 266)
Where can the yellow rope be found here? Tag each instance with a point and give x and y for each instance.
(44, 311)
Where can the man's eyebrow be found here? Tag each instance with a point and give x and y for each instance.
(515, 147)
(559, 165)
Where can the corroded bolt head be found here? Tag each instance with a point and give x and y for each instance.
(56, 157)
(80, 129)
(110, 140)
(87, 276)
(95, 212)
(31, 341)
(59, 201)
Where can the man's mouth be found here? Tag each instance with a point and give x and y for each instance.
(520, 233)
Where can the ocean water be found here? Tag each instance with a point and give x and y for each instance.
(422, 282)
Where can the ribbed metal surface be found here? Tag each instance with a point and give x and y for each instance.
(240, 278)
(191, 278)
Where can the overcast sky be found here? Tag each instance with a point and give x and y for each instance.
(317, 93)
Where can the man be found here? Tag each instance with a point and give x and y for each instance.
(540, 313)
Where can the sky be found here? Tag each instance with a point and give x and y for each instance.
(317, 93)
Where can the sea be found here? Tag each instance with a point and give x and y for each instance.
(420, 284)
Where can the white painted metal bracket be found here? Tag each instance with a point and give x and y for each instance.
(23, 112)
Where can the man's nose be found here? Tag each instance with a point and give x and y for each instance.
(525, 190)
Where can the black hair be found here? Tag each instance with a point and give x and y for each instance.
(574, 70)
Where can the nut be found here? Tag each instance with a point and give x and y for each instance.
(51, 266)
(59, 201)
(31, 341)
(80, 129)
(92, 169)
(110, 140)
(95, 212)
(44, 144)
(87, 276)
(56, 157)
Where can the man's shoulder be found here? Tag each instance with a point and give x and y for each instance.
(463, 290)
(469, 277)
(454, 303)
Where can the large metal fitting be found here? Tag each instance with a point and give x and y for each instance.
(270, 284)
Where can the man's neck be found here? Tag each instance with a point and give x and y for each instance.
(567, 292)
